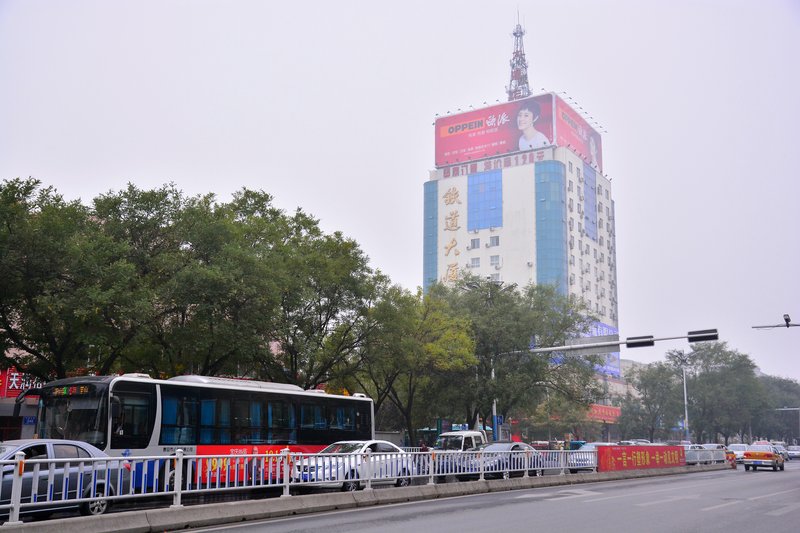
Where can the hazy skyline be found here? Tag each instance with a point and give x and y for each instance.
(329, 107)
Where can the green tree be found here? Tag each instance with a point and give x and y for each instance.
(63, 283)
(417, 341)
(655, 408)
(504, 322)
(722, 389)
(323, 319)
(769, 422)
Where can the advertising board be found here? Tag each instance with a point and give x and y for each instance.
(13, 382)
(607, 414)
(527, 124)
(502, 129)
(573, 131)
(614, 458)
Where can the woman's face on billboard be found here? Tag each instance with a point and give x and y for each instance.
(524, 119)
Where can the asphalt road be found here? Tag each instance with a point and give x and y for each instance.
(725, 501)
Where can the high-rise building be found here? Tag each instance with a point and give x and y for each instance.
(518, 195)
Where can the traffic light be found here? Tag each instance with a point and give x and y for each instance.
(639, 342)
(703, 335)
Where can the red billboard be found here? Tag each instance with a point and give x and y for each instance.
(497, 130)
(13, 382)
(573, 131)
(612, 458)
(604, 413)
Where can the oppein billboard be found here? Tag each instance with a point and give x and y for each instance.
(497, 130)
(573, 131)
(526, 124)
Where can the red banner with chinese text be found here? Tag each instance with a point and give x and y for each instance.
(613, 458)
(604, 413)
(13, 382)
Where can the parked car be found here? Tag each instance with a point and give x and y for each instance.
(697, 455)
(764, 455)
(738, 450)
(718, 451)
(459, 441)
(793, 451)
(74, 476)
(344, 464)
(501, 460)
(783, 451)
(585, 457)
(452, 442)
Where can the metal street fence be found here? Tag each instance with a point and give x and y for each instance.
(91, 484)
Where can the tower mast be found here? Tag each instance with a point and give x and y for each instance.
(518, 87)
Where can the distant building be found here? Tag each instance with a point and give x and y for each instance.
(518, 195)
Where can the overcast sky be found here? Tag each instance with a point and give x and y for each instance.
(329, 106)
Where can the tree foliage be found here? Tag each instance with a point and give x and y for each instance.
(655, 408)
(723, 392)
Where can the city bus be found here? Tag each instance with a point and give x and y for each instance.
(135, 415)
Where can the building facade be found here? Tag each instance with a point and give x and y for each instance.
(538, 215)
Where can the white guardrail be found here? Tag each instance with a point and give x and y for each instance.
(90, 484)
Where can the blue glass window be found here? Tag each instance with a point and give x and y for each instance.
(485, 200)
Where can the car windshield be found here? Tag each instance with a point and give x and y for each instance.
(737, 447)
(760, 448)
(448, 442)
(343, 447)
(794, 448)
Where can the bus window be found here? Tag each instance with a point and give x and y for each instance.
(215, 419)
(312, 417)
(281, 426)
(179, 412)
(137, 409)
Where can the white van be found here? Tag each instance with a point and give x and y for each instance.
(459, 441)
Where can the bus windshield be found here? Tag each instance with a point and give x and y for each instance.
(77, 415)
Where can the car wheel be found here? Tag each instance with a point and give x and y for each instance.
(95, 507)
(403, 481)
(782, 466)
(754, 467)
(775, 468)
(746, 468)
(351, 485)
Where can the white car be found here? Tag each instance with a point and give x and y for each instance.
(346, 464)
(794, 452)
(57, 472)
(738, 450)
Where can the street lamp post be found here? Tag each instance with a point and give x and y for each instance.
(685, 405)
(683, 360)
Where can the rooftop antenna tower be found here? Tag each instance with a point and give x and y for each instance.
(518, 87)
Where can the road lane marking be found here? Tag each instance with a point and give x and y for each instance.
(784, 510)
(570, 494)
(668, 500)
(771, 495)
(726, 504)
(648, 492)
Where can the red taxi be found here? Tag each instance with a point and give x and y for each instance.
(763, 455)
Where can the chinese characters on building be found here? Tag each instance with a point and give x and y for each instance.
(452, 202)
